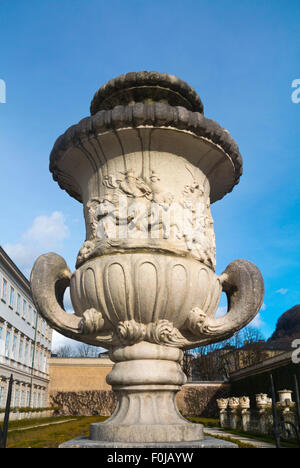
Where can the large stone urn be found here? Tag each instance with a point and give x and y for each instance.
(146, 165)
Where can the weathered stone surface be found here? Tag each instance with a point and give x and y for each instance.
(146, 86)
(104, 316)
(207, 442)
(144, 287)
(213, 141)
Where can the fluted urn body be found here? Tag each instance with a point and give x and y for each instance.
(146, 166)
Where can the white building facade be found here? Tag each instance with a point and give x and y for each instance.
(25, 340)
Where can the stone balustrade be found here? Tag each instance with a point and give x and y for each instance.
(235, 412)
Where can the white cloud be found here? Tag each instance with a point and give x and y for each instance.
(47, 233)
(59, 340)
(263, 307)
(281, 291)
(257, 322)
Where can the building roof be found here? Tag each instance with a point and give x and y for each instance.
(279, 360)
(14, 271)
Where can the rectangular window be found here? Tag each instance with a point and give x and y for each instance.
(21, 349)
(42, 359)
(27, 357)
(24, 309)
(34, 318)
(18, 304)
(27, 399)
(29, 314)
(11, 297)
(31, 355)
(7, 342)
(1, 397)
(14, 348)
(4, 289)
(16, 399)
(22, 397)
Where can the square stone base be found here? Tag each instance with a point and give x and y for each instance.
(207, 442)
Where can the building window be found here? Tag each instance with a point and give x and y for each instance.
(21, 349)
(16, 399)
(18, 304)
(14, 348)
(1, 397)
(31, 354)
(22, 397)
(29, 314)
(34, 318)
(4, 289)
(27, 357)
(42, 364)
(7, 342)
(27, 398)
(11, 297)
(24, 309)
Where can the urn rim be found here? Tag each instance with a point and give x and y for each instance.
(143, 85)
(140, 115)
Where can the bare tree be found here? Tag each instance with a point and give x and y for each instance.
(86, 351)
(64, 351)
(187, 363)
(216, 361)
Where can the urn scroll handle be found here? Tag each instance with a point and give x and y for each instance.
(244, 286)
(50, 277)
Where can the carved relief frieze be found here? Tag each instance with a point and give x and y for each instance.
(136, 208)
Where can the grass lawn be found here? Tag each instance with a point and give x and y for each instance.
(34, 422)
(208, 422)
(49, 436)
(55, 434)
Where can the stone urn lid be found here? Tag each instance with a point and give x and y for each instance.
(149, 100)
(147, 87)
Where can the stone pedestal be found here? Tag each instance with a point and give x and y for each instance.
(146, 378)
(245, 417)
(223, 418)
(207, 442)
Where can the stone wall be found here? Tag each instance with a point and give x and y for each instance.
(84, 403)
(78, 387)
(78, 374)
(200, 398)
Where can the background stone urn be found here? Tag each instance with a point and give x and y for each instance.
(244, 402)
(222, 405)
(285, 400)
(146, 165)
(262, 401)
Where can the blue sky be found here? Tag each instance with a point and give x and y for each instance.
(240, 56)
